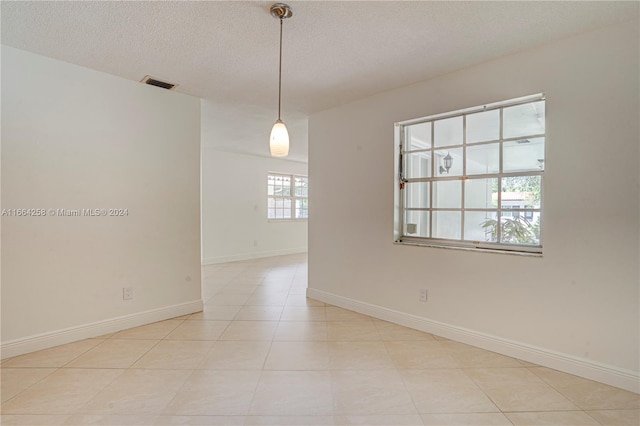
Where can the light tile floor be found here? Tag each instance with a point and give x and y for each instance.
(261, 353)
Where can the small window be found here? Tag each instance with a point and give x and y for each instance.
(473, 178)
(287, 197)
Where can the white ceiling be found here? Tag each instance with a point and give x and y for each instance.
(334, 52)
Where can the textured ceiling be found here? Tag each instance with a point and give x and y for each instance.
(334, 52)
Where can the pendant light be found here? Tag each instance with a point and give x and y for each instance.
(279, 139)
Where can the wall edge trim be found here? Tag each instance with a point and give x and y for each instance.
(589, 369)
(85, 331)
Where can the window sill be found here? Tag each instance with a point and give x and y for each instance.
(476, 249)
(286, 220)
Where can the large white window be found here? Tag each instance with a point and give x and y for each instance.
(473, 178)
(287, 197)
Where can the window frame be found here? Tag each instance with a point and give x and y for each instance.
(292, 197)
(400, 211)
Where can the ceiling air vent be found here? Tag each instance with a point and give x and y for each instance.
(158, 83)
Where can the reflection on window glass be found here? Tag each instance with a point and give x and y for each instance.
(483, 126)
(418, 136)
(448, 132)
(524, 120)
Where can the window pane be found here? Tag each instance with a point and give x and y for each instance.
(447, 194)
(521, 192)
(302, 209)
(286, 186)
(483, 159)
(301, 186)
(484, 126)
(481, 193)
(446, 225)
(518, 230)
(416, 224)
(417, 165)
(418, 136)
(481, 226)
(454, 156)
(448, 132)
(523, 120)
(524, 155)
(416, 195)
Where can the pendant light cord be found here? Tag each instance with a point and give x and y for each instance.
(280, 72)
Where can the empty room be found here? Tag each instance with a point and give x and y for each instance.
(320, 213)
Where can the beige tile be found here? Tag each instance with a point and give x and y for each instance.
(53, 357)
(298, 331)
(200, 420)
(394, 332)
(587, 394)
(267, 299)
(259, 313)
(517, 389)
(198, 330)
(137, 392)
(338, 314)
(250, 330)
(298, 356)
(236, 355)
(527, 364)
(301, 299)
(62, 392)
(216, 313)
(113, 353)
(290, 421)
(446, 391)
(420, 354)
(175, 354)
(381, 420)
(359, 356)
(155, 331)
(209, 392)
(352, 330)
(440, 338)
(303, 313)
(33, 419)
(106, 336)
(616, 417)
(470, 356)
(466, 419)
(228, 300)
(292, 393)
(370, 393)
(551, 418)
(15, 380)
(110, 420)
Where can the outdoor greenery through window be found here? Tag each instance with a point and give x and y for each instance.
(287, 197)
(473, 178)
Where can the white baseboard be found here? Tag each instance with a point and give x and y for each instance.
(73, 334)
(614, 376)
(251, 255)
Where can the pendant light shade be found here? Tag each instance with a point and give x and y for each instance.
(279, 139)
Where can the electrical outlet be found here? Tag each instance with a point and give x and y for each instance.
(127, 293)
(423, 294)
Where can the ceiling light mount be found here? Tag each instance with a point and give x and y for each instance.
(281, 11)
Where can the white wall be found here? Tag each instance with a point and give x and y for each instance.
(575, 308)
(73, 138)
(234, 208)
